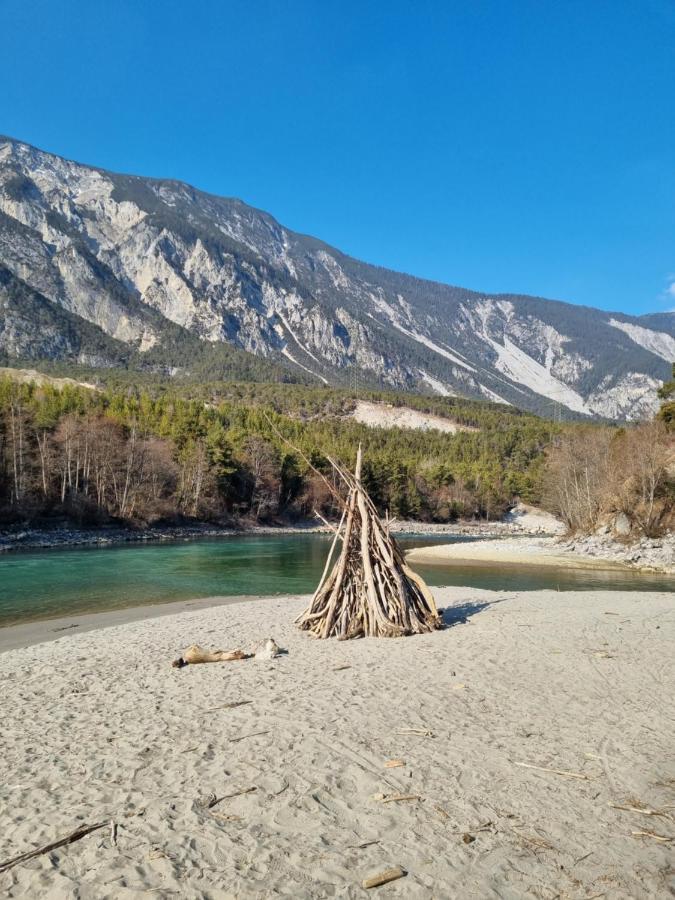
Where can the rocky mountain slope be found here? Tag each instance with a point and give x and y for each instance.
(106, 269)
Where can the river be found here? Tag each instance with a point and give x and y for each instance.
(49, 583)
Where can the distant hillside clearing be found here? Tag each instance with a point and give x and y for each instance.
(384, 415)
(26, 376)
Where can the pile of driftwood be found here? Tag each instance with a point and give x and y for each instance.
(369, 592)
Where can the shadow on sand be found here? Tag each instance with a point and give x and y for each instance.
(460, 615)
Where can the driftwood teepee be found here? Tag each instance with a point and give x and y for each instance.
(369, 592)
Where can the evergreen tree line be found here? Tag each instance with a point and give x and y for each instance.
(143, 456)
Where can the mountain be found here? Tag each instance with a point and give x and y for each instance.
(117, 270)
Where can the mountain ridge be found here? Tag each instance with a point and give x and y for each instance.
(157, 264)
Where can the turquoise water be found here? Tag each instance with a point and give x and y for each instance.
(48, 583)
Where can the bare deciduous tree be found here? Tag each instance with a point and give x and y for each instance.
(595, 472)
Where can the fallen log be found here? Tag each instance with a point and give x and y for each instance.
(384, 877)
(196, 654)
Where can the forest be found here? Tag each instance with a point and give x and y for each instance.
(230, 452)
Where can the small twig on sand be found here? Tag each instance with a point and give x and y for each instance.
(244, 736)
(76, 835)
(233, 705)
(362, 846)
(222, 817)
(442, 813)
(642, 812)
(536, 841)
(553, 771)
(341, 668)
(486, 826)
(396, 798)
(420, 731)
(664, 839)
(212, 802)
(384, 877)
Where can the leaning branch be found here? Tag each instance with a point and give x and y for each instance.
(76, 835)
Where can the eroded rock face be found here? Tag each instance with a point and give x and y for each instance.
(622, 525)
(129, 255)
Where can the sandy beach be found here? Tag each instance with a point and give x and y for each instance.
(582, 553)
(97, 727)
(532, 552)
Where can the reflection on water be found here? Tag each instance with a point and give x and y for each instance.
(56, 582)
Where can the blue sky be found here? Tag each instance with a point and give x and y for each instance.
(504, 146)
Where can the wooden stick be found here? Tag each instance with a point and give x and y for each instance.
(76, 835)
(642, 812)
(652, 834)
(232, 705)
(222, 817)
(340, 569)
(297, 450)
(537, 841)
(196, 654)
(553, 771)
(398, 798)
(419, 731)
(244, 736)
(329, 558)
(215, 800)
(384, 877)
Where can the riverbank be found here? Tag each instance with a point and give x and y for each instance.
(254, 778)
(591, 552)
(45, 538)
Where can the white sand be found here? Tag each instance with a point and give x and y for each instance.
(99, 726)
(542, 551)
